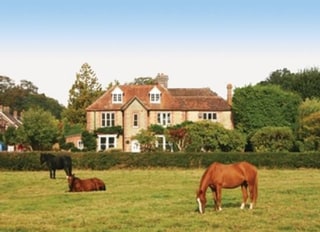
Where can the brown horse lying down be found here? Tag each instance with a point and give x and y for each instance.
(81, 185)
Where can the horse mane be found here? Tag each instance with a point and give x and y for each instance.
(201, 190)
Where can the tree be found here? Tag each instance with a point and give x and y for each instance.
(5, 83)
(178, 136)
(114, 83)
(281, 77)
(273, 139)
(28, 86)
(309, 127)
(305, 82)
(143, 81)
(310, 132)
(89, 141)
(84, 91)
(10, 135)
(25, 96)
(254, 107)
(147, 140)
(212, 136)
(39, 129)
(46, 103)
(14, 98)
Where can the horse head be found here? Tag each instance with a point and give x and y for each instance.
(43, 158)
(70, 180)
(201, 200)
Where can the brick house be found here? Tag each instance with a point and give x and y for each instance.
(8, 119)
(136, 107)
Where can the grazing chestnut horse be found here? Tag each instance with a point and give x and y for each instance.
(219, 176)
(81, 185)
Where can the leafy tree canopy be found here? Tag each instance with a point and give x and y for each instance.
(309, 126)
(85, 90)
(39, 129)
(24, 96)
(259, 106)
(273, 139)
(143, 81)
(305, 82)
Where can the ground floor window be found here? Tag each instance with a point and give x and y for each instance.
(106, 142)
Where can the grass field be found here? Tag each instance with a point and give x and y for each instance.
(156, 200)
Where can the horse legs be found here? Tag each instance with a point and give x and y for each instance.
(244, 195)
(218, 198)
(214, 196)
(252, 195)
(52, 173)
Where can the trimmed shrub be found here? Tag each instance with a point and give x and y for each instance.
(116, 160)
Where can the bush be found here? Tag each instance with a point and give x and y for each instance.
(273, 139)
(115, 160)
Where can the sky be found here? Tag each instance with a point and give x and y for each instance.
(197, 43)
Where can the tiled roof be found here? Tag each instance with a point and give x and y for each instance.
(191, 92)
(171, 99)
(10, 119)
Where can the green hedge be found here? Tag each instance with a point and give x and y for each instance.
(101, 161)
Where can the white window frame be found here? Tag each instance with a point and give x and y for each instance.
(135, 120)
(108, 119)
(117, 95)
(164, 118)
(212, 116)
(155, 96)
(106, 143)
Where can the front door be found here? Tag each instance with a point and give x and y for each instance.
(135, 146)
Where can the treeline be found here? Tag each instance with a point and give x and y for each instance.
(24, 96)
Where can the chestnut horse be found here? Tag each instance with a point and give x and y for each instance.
(81, 185)
(218, 176)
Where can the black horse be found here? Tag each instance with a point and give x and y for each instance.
(56, 162)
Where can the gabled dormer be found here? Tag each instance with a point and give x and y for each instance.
(155, 96)
(117, 95)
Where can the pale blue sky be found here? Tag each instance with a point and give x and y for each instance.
(201, 43)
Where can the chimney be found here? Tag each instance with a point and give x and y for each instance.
(15, 114)
(162, 79)
(6, 109)
(229, 94)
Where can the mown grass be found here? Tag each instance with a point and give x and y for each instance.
(156, 200)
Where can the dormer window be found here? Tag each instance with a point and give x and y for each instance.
(155, 95)
(117, 95)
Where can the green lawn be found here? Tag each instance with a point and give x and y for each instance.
(156, 200)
